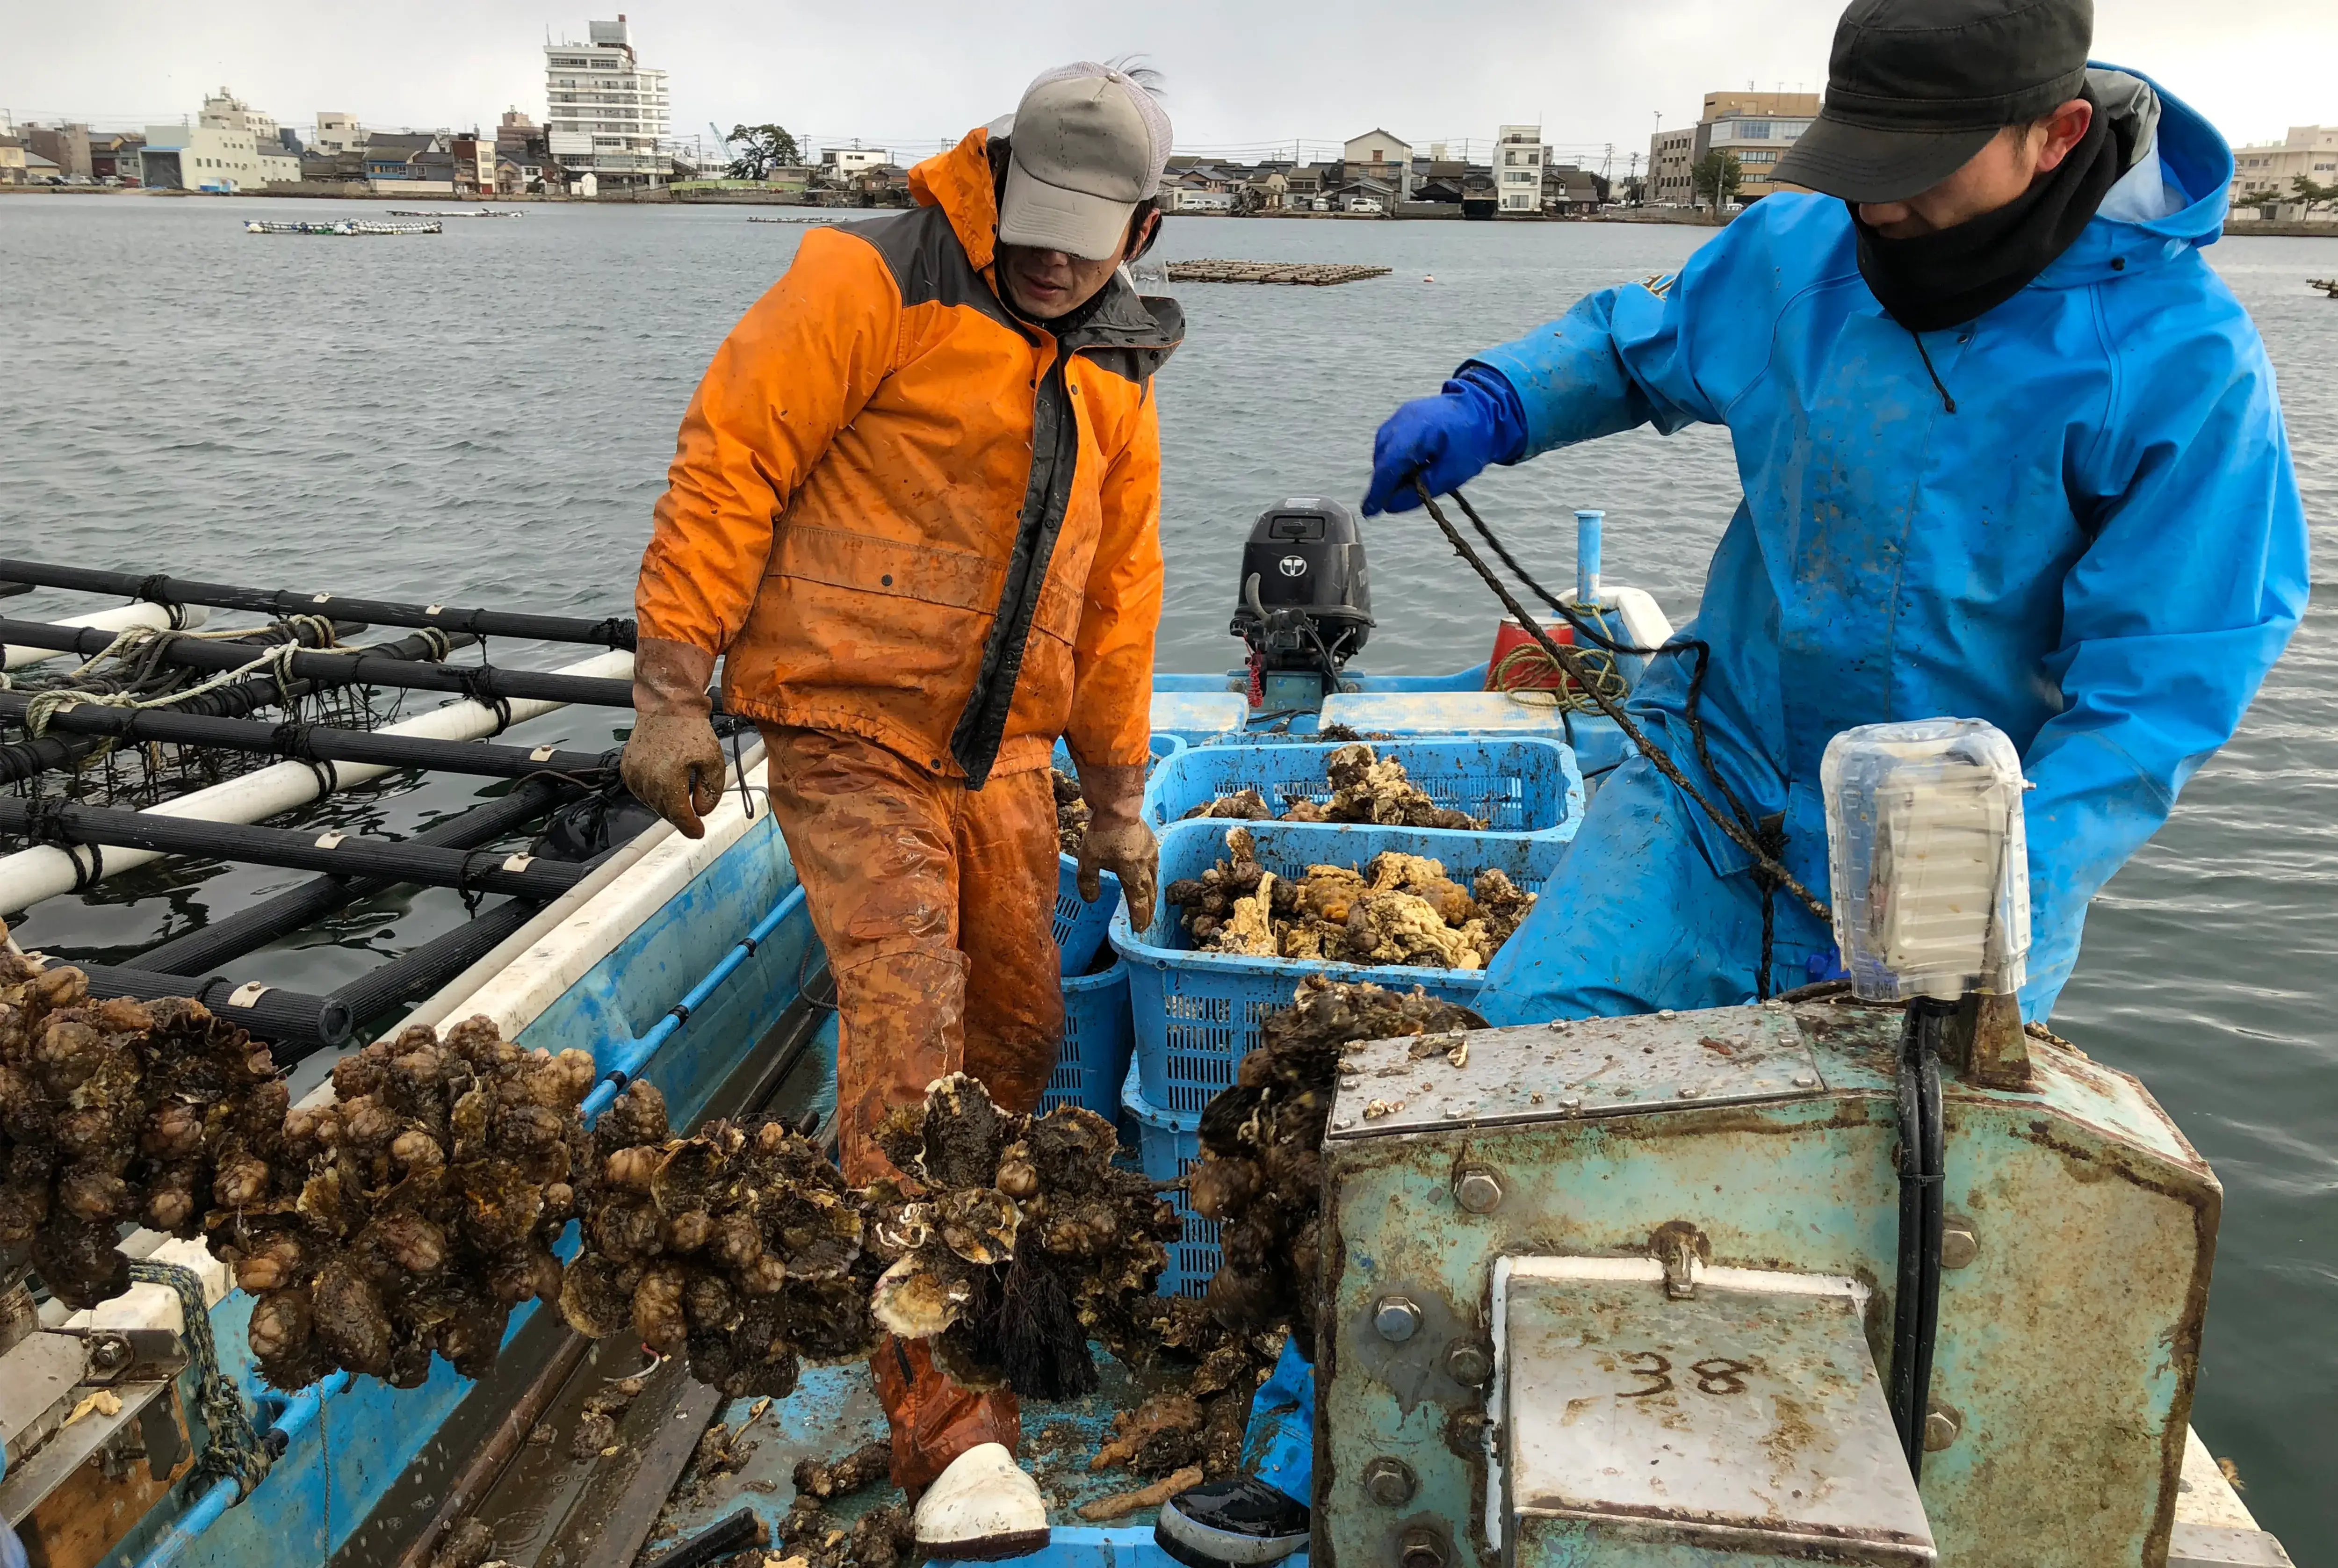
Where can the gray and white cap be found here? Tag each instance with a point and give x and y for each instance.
(1088, 143)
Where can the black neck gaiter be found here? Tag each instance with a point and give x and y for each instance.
(1929, 281)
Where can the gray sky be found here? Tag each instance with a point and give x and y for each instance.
(1241, 75)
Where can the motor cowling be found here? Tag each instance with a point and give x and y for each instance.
(1305, 597)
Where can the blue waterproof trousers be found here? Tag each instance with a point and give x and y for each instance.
(1635, 920)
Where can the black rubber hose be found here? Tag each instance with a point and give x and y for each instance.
(481, 682)
(303, 849)
(414, 975)
(732, 1533)
(305, 742)
(1916, 1302)
(612, 632)
(1932, 1135)
(299, 1020)
(249, 930)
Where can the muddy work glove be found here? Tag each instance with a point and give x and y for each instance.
(1447, 440)
(673, 764)
(1118, 841)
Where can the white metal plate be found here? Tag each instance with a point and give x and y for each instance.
(1441, 713)
(1199, 713)
(1743, 1419)
(1587, 1067)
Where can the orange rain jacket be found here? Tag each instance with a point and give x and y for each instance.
(906, 514)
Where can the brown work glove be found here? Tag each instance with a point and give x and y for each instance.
(1118, 841)
(673, 764)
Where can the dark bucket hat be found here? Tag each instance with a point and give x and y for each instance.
(1915, 87)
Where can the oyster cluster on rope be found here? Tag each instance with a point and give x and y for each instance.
(740, 1245)
(1261, 1174)
(411, 1213)
(408, 1215)
(120, 1112)
(1025, 1243)
(1365, 788)
(1012, 1242)
(1398, 909)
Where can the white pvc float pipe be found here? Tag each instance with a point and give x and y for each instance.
(44, 872)
(120, 618)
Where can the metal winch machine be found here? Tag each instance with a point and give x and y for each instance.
(1644, 1292)
(1620, 1292)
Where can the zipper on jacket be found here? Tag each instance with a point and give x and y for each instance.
(1047, 496)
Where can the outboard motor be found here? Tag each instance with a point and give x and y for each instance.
(1306, 601)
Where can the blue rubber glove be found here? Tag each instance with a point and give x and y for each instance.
(1446, 441)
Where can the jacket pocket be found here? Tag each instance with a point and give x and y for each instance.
(955, 579)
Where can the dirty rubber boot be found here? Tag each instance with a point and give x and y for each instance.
(1239, 1523)
(980, 1509)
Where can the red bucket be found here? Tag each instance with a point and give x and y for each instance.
(1518, 663)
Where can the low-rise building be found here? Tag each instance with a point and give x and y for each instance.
(12, 160)
(113, 155)
(474, 162)
(1521, 157)
(1568, 189)
(1311, 180)
(206, 158)
(1377, 155)
(66, 146)
(40, 171)
(841, 164)
(2269, 171)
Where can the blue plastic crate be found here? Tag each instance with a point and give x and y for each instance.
(1197, 1014)
(1167, 1146)
(1518, 786)
(1081, 927)
(1098, 1036)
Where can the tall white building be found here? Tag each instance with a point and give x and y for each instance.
(606, 114)
(1520, 155)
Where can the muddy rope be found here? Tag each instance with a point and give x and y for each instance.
(147, 645)
(1763, 844)
(235, 1447)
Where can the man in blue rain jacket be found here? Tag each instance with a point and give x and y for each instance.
(2009, 450)
(2070, 512)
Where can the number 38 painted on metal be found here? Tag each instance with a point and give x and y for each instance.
(1714, 1375)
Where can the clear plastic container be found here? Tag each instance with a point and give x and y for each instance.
(1928, 857)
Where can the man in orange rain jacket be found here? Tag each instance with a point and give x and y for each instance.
(915, 505)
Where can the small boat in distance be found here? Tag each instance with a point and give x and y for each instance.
(474, 212)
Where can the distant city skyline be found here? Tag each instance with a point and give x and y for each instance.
(1241, 81)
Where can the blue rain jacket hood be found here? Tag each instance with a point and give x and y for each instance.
(2101, 550)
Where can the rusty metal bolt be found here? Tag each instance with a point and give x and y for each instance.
(1396, 1317)
(1469, 1364)
(1479, 1190)
(1959, 1243)
(1420, 1548)
(108, 1352)
(1941, 1424)
(1390, 1482)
